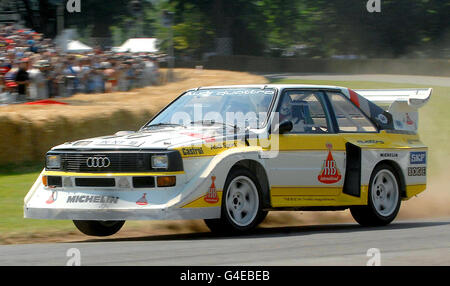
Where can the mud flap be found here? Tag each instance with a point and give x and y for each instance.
(352, 182)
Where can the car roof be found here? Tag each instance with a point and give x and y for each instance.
(277, 86)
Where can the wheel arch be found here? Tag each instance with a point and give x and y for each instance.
(398, 173)
(257, 169)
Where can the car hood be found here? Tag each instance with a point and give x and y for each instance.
(160, 138)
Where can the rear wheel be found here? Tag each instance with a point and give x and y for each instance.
(98, 228)
(383, 198)
(241, 204)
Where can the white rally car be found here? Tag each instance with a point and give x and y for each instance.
(230, 154)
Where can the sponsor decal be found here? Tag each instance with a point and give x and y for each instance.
(416, 158)
(308, 198)
(409, 120)
(52, 198)
(354, 97)
(212, 197)
(330, 173)
(192, 151)
(121, 143)
(388, 155)
(383, 119)
(201, 136)
(234, 92)
(417, 171)
(370, 142)
(143, 200)
(224, 145)
(92, 199)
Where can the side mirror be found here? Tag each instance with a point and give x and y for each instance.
(285, 127)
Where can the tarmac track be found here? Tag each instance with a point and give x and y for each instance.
(425, 242)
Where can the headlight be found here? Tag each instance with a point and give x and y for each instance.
(53, 162)
(160, 162)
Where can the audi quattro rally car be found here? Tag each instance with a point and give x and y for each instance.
(230, 154)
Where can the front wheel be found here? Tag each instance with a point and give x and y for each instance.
(241, 204)
(98, 228)
(383, 198)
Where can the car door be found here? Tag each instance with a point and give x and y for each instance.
(309, 167)
(357, 130)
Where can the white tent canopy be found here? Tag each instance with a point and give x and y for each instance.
(77, 47)
(138, 45)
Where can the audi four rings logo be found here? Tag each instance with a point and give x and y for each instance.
(98, 162)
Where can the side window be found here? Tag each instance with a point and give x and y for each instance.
(348, 116)
(305, 110)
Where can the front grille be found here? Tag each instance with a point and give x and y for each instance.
(119, 162)
(115, 161)
(95, 182)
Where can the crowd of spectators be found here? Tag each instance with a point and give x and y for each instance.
(33, 68)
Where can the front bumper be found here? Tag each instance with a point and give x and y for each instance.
(119, 214)
(74, 203)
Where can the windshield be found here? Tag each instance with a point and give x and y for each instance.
(238, 107)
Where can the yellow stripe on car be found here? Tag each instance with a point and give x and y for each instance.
(201, 203)
(306, 196)
(412, 190)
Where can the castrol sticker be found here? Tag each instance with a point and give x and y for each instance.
(330, 173)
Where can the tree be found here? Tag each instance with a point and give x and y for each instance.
(322, 27)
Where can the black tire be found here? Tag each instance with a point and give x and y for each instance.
(226, 224)
(369, 215)
(98, 228)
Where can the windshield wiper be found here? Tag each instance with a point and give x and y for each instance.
(212, 122)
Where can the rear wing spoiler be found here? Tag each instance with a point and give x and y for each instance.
(400, 106)
(415, 98)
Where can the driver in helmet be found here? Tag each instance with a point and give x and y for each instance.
(286, 109)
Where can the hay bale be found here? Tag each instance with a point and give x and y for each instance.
(28, 132)
(15, 140)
